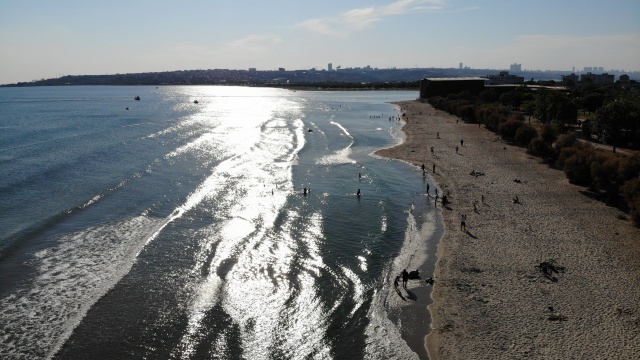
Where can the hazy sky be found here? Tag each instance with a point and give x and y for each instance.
(45, 38)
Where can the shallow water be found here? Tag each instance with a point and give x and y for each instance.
(180, 230)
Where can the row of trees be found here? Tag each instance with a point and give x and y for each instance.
(616, 177)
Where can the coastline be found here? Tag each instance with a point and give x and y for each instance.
(489, 299)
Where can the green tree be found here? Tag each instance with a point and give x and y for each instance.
(555, 106)
(593, 101)
(618, 120)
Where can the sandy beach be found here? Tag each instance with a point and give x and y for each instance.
(490, 299)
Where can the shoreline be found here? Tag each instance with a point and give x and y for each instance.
(489, 299)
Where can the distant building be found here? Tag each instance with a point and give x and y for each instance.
(252, 70)
(515, 67)
(431, 87)
(460, 66)
(281, 70)
(504, 78)
(603, 79)
(570, 79)
(624, 79)
(330, 67)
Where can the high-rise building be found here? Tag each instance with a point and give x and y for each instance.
(330, 67)
(460, 65)
(515, 67)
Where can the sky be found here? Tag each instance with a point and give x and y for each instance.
(41, 39)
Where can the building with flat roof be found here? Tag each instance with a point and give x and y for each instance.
(570, 79)
(602, 79)
(505, 78)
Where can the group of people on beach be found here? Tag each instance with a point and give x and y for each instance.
(405, 276)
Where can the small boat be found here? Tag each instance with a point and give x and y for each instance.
(136, 98)
(195, 102)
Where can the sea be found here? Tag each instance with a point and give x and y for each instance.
(207, 222)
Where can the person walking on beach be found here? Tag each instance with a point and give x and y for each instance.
(427, 189)
(463, 222)
(456, 149)
(405, 278)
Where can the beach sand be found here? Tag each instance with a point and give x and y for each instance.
(490, 299)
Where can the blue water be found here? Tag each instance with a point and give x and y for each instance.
(162, 228)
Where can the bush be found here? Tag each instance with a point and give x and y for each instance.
(508, 128)
(540, 148)
(525, 134)
(549, 133)
(629, 167)
(631, 191)
(467, 113)
(604, 174)
(576, 164)
(566, 140)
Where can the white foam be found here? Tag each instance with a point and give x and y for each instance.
(341, 157)
(70, 277)
(384, 339)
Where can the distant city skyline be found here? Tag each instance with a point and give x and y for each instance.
(43, 39)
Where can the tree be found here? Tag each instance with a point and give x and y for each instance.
(529, 108)
(593, 101)
(616, 119)
(557, 107)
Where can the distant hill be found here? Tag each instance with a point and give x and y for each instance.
(355, 77)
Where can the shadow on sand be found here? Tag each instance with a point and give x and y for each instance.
(400, 293)
(411, 295)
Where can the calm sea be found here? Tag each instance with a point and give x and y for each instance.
(162, 228)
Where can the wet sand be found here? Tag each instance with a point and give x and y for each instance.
(490, 299)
